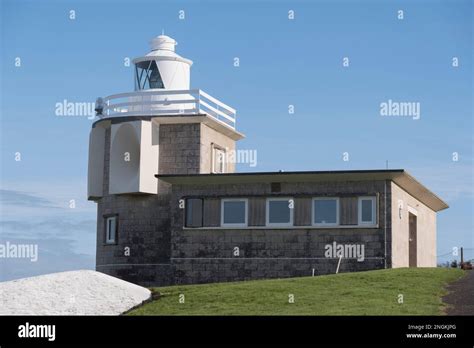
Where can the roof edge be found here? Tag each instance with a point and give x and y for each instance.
(398, 176)
(362, 171)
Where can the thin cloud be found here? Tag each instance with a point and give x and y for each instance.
(54, 255)
(58, 225)
(24, 199)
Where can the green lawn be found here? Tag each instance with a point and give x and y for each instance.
(361, 293)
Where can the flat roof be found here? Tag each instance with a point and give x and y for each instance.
(399, 176)
(178, 119)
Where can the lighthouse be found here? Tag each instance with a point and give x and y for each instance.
(171, 210)
(162, 126)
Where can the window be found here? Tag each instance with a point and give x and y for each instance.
(147, 75)
(193, 212)
(218, 159)
(279, 212)
(367, 211)
(325, 211)
(234, 212)
(111, 230)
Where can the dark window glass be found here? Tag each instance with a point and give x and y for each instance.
(110, 229)
(367, 210)
(147, 76)
(325, 211)
(234, 212)
(193, 212)
(278, 212)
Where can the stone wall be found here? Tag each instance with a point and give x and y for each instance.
(143, 248)
(179, 148)
(207, 254)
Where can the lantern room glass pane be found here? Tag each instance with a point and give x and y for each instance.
(147, 76)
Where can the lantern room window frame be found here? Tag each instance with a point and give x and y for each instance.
(144, 74)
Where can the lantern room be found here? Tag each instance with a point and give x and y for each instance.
(162, 68)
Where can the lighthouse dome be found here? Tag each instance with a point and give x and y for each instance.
(163, 42)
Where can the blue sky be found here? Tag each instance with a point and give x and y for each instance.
(282, 62)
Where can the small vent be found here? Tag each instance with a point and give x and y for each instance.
(276, 187)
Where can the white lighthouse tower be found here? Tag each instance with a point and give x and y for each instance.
(126, 160)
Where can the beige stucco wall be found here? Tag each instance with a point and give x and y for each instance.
(96, 162)
(209, 136)
(426, 230)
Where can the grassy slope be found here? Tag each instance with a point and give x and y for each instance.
(361, 293)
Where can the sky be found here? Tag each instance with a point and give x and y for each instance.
(50, 54)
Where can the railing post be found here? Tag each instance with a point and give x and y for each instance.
(199, 102)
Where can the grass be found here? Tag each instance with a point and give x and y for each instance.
(360, 293)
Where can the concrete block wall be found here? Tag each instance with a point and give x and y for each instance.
(214, 270)
(179, 148)
(207, 255)
(144, 220)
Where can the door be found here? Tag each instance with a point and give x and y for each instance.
(411, 240)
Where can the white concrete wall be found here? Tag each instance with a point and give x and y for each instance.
(133, 158)
(426, 230)
(95, 168)
(149, 150)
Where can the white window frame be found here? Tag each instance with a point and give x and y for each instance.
(313, 223)
(245, 224)
(215, 149)
(107, 231)
(374, 210)
(267, 212)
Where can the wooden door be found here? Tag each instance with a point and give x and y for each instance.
(412, 240)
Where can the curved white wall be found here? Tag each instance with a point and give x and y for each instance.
(175, 74)
(133, 158)
(124, 158)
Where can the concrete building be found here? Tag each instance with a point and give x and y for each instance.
(172, 210)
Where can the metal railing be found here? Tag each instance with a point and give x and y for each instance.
(163, 102)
